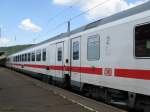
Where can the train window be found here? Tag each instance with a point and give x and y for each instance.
(76, 50)
(17, 59)
(44, 55)
(22, 57)
(142, 41)
(38, 55)
(25, 57)
(59, 54)
(93, 48)
(29, 56)
(33, 56)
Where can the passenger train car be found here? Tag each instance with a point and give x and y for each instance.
(108, 59)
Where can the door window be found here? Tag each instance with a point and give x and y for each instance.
(59, 54)
(76, 50)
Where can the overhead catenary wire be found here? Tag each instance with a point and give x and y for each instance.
(78, 15)
(88, 10)
(52, 29)
(57, 15)
(62, 12)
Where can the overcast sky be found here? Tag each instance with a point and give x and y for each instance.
(32, 21)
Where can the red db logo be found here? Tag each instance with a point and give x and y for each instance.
(108, 71)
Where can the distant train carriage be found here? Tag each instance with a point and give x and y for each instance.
(109, 58)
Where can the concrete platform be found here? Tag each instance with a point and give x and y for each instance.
(20, 93)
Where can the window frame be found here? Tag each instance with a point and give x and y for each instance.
(93, 36)
(134, 39)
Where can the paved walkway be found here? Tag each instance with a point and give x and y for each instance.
(20, 95)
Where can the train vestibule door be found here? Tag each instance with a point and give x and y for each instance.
(52, 59)
(59, 61)
(75, 62)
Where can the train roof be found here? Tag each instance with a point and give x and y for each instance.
(132, 11)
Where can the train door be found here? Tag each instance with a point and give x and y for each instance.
(52, 58)
(75, 62)
(59, 61)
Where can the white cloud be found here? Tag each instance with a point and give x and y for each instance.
(63, 2)
(4, 41)
(28, 25)
(107, 8)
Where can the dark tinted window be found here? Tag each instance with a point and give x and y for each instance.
(38, 55)
(22, 57)
(142, 41)
(44, 55)
(29, 56)
(14, 59)
(33, 56)
(25, 57)
(59, 54)
(17, 58)
(76, 50)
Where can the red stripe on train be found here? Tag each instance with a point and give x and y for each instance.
(133, 73)
(35, 66)
(127, 73)
(56, 67)
(88, 70)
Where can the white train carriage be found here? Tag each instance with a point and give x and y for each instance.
(109, 57)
